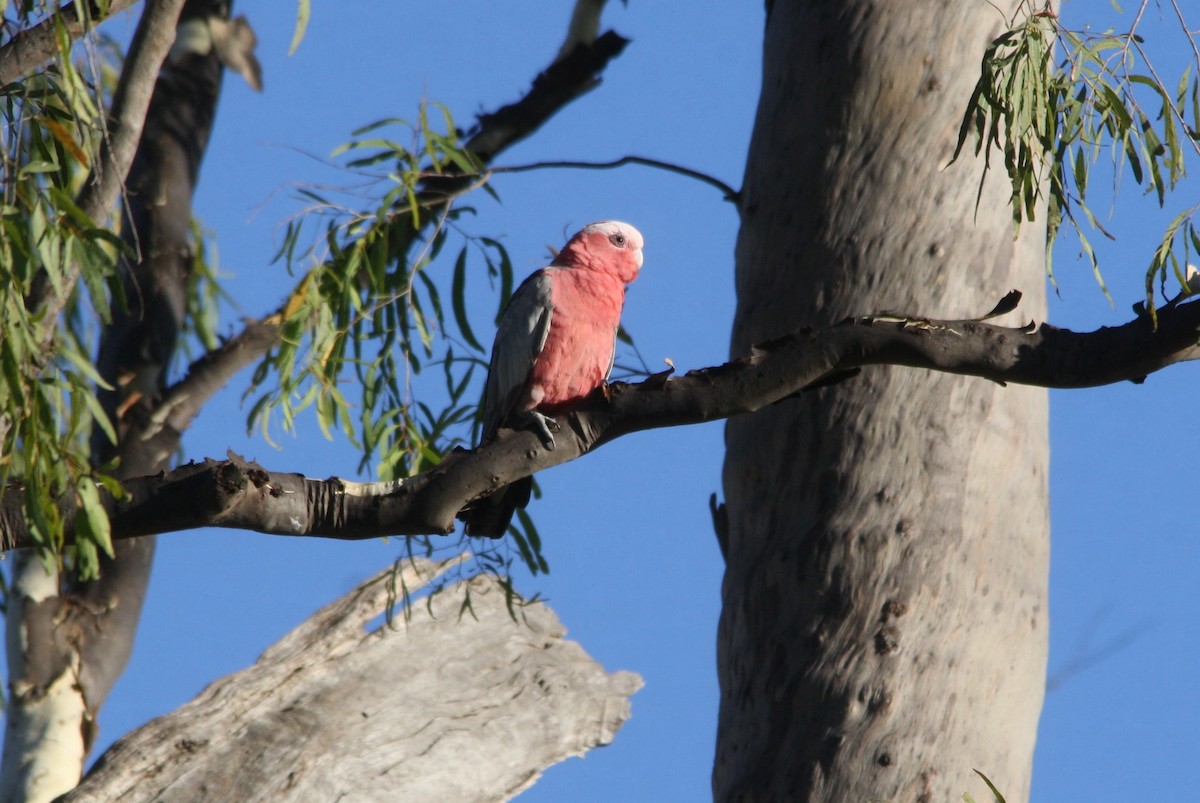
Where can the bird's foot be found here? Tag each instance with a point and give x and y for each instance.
(543, 426)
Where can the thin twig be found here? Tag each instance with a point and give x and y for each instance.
(1186, 32)
(729, 193)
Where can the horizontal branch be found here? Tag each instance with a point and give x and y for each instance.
(238, 494)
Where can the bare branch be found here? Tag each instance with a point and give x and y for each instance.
(729, 193)
(158, 432)
(151, 42)
(237, 494)
(504, 700)
(563, 81)
(35, 46)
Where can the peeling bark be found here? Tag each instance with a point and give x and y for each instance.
(447, 706)
(46, 718)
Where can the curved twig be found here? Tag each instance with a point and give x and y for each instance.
(729, 193)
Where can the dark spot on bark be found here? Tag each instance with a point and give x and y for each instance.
(932, 84)
(926, 777)
(892, 609)
(903, 527)
(837, 597)
(885, 760)
(258, 477)
(887, 640)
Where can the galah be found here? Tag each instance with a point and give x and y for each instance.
(554, 346)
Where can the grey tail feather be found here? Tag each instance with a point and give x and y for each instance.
(490, 517)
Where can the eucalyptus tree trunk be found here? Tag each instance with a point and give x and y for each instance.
(884, 628)
(69, 641)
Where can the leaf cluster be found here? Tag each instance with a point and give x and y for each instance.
(1053, 102)
(52, 126)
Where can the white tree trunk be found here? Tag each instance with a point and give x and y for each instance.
(884, 629)
(454, 705)
(44, 742)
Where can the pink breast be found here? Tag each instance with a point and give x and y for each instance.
(579, 346)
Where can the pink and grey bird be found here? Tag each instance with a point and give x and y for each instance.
(554, 346)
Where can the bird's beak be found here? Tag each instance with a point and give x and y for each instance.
(639, 258)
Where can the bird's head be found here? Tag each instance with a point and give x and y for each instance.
(610, 246)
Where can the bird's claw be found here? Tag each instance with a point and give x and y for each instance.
(543, 426)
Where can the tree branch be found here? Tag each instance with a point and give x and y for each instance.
(157, 432)
(237, 494)
(505, 699)
(151, 42)
(35, 46)
(563, 81)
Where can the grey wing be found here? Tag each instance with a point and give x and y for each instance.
(519, 340)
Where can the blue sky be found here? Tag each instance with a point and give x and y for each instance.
(635, 571)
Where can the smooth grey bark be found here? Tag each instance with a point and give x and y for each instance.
(450, 705)
(884, 623)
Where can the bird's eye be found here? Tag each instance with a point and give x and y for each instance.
(617, 239)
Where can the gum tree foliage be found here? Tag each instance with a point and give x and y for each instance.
(379, 293)
(1053, 102)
